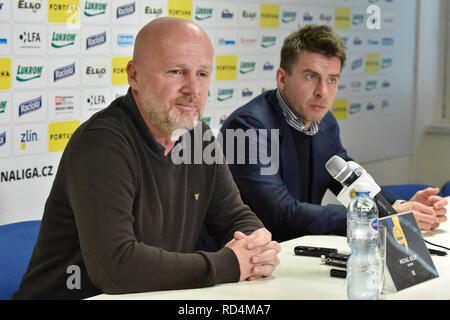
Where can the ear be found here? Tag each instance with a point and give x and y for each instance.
(281, 79)
(132, 76)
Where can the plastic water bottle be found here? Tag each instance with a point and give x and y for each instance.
(363, 272)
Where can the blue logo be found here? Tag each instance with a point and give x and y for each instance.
(307, 17)
(2, 138)
(30, 106)
(374, 224)
(387, 41)
(247, 93)
(125, 40)
(372, 42)
(125, 10)
(3, 40)
(357, 63)
(267, 66)
(224, 42)
(64, 72)
(226, 14)
(96, 40)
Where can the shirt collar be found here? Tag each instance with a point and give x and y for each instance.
(293, 119)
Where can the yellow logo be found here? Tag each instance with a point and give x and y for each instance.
(64, 11)
(197, 195)
(352, 193)
(269, 16)
(119, 70)
(5, 73)
(226, 67)
(180, 9)
(372, 63)
(342, 18)
(398, 233)
(339, 109)
(59, 134)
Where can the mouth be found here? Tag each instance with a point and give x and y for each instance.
(186, 106)
(318, 107)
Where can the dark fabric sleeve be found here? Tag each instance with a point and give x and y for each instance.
(102, 182)
(268, 196)
(227, 212)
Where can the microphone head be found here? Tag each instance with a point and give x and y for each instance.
(338, 168)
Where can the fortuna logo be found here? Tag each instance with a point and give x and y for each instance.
(92, 9)
(247, 67)
(225, 94)
(268, 41)
(64, 72)
(61, 40)
(27, 73)
(2, 138)
(125, 10)
(30, 106)
(96, 40)
(203, 13)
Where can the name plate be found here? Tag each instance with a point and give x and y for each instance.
(408, 261)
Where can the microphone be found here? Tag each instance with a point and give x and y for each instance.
(341, 171)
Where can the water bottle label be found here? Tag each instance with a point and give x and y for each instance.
(374, 224)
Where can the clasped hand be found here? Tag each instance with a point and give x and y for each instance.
(428, 208)
(256, 253)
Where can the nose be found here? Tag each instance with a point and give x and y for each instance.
(191, 84)
(321, 89)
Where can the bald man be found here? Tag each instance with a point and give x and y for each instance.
(121, 217)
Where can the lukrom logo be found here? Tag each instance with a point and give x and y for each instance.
(250, 146)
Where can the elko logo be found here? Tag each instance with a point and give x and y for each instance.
(30, 106)
(92, 9)
(33, 6)
(96, 40)
(64, 72)
(125, 10)
(95, 71)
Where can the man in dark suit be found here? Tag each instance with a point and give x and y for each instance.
(286, 180)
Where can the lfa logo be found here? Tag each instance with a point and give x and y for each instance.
(374, 19)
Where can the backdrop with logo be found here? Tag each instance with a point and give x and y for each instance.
(63, 60)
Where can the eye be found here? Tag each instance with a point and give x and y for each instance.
(333, 80)
(203, 75)
(175, 72)
(310, 76)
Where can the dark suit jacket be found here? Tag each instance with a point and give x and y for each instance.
(274, 198)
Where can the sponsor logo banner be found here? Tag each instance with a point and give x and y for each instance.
(226, 67)
(59, 134)
(269, 16)
(64, 11)
(119, 70)
(180, 9)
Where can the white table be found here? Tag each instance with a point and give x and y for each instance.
(306, 278)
